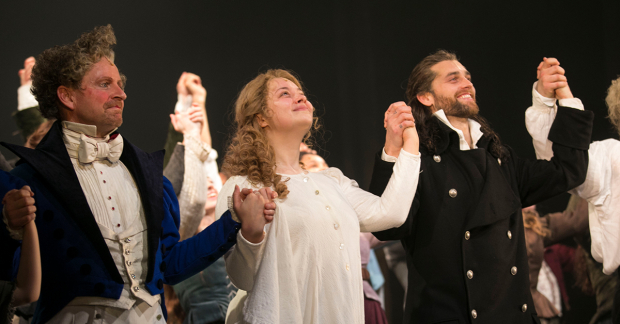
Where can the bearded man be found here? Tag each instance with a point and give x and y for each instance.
(464, 236)
(107, 218)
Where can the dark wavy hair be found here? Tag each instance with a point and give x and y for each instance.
(421, 82)
(66, 66)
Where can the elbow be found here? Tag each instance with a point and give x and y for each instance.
(25, 296)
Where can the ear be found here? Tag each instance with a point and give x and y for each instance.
(426, 99)
(67, 97)
(261, 120)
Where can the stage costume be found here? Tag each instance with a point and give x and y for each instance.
(464, 235)
(602, 185)
(108, 228)
(307, 269)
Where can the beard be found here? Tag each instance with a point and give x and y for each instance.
(453, 107)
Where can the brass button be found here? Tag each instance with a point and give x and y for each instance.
(524, 308)
(499, 161)
(128, 262)
(347, 267)
(127, 251)
(474, 314)
(136, 288)
(133, 276)
(452, 193)
(158, 317)
(509, 233)
(127, 240)
(316, 192)
(467, 235)
(327, 207)
(437, 158)
(336, 226)
(513, 270)
(470, 274)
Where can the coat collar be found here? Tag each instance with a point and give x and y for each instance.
(51, 160)
(447, 136)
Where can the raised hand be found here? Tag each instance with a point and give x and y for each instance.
(398, 117)
(188, 122)
(26, 73)
(268, 195)
(19, 207)
(552, 83)
(195, 88)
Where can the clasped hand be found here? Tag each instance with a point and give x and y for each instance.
(400, 130)
(552, 82)
(255, 209)
(19, 207)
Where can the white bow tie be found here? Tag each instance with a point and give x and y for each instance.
(91, 150)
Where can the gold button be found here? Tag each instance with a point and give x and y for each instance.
(470, 274)
(127, 251)
(524, 308)
(347, 267)
(499, 161)
(327, 207)
(467, 235)
(136, 288)
(437, 158)
(316, 192)
(474, 314)
(158, 317)
(509, 233)
(128, 262)
(513, 270)
(336, 226)
(133, 276)
(452, 193)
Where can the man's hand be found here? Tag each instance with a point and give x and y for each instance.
(268, 195)
(552, 83)
(251, 213)
(188, 122)
(181, 88)
(19, 207)
(397, 118)
(26, 73)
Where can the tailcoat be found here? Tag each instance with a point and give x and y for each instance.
(464, 235)
(75, 259)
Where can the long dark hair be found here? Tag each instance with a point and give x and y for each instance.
(420, 82)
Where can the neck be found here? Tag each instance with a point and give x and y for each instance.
(286, 149)
(461, 124)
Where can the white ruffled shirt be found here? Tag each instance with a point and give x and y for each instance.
(308, 267)
(114, 200)
(602, 186)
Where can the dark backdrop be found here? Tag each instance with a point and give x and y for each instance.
(353, 57)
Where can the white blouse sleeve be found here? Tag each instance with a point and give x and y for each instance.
(392, 208)
(243, 259)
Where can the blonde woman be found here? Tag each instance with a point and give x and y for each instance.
(305, 266)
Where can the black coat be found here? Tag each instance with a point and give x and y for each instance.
(464, 235)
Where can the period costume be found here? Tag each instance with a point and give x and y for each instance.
(308, 269)
(464, 235)
(108, 226)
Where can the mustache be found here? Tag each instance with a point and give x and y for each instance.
(113, 103)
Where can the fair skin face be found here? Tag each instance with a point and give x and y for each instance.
(209, 216)
(313, 163)
(452, 82)
(99, 101)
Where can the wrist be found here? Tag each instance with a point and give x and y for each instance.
(391, 150)
(252, 236)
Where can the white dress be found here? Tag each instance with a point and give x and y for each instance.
(308, 267)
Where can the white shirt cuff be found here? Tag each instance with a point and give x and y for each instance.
(15, 234)
(25, 99)
(388, 158)
(550, 102)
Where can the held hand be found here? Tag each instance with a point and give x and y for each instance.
(268, 195)
(250, 212)
(411, 140)
(397, 118)
(550, 78)
(181, 88)
(19, 207)
(188, 122)
(26, 73)
(195, 88)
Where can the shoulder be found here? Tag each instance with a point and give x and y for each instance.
(336, 175)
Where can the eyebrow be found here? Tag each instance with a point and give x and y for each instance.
(289, 89)
(458, 73)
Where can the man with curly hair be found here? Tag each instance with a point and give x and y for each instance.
(108, 218)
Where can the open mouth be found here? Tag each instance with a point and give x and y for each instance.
(212, 194)
(466, 96)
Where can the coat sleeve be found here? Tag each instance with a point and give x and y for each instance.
(175, 169)
(539, 180)
(380, 178)
(9, 245)
(188, 257)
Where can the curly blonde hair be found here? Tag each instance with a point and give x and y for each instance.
(66, 66)
(531, 221)
(613, 103)
(250, 153)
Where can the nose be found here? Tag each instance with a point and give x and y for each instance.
(119, 93)
(467, 83)
(301, 98)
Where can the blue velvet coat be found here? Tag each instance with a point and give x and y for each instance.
(75, 258)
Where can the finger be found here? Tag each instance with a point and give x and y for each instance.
(266, 192)
(27, 188)
(245, 192)
(274, 195)
(269, 212)
(408, 123)
(554, 78)
(559, 84)
(22, 202)
(556, 69)
(236, 198)
(268, 219)
(270, 205)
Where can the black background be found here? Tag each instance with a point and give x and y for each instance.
(353, 57)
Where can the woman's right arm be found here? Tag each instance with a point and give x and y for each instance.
(28, 281)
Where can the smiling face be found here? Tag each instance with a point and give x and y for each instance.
(100, 99)
(288, 109)
(452, 90)
(211, 196)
